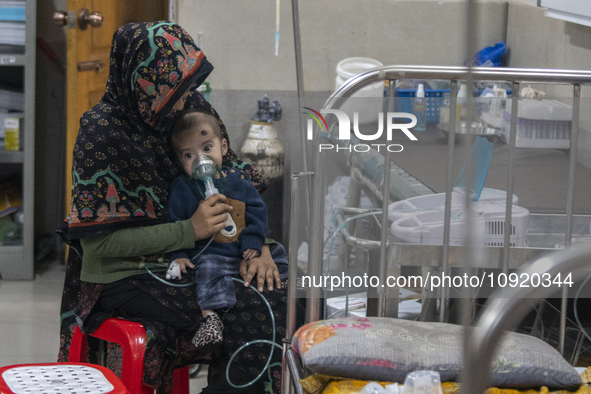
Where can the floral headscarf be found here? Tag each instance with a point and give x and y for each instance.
(122, 165)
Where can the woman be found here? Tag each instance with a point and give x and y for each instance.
(122, 169)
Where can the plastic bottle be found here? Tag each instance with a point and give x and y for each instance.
(394, 388)
(205, 90)
(373, 388)
(444, 110)
(423, 382)
(419, 107)
(462, 102)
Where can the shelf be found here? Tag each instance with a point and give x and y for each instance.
(17, 70)
(6, 49)
(7, 156)
(7, 59)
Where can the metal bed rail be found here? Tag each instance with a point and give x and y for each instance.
(516, 76)
(507, 306)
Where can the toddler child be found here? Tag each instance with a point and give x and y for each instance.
(197, 133)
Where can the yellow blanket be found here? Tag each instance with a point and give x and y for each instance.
(323, 384)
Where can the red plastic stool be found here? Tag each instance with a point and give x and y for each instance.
(131, 336)
(59, 378)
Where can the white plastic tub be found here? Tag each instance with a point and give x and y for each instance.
(368, 102)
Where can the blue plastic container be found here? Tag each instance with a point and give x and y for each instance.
(404, 98)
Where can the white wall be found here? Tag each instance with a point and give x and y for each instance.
(239, 40)
(527, 2)
(239, 37)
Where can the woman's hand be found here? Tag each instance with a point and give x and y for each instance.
(265, 269)
(210, 217)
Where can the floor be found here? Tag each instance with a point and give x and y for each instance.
(29, 319)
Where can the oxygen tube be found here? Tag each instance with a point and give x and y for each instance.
(252, 343)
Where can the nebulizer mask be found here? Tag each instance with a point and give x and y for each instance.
(205, 169)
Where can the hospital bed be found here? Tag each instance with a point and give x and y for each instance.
(544, 227)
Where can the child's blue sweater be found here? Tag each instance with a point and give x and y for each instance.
(249, 214)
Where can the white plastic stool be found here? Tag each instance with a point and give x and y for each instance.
(59, 378)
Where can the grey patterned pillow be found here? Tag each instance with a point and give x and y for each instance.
(523, 361)
(387, 349)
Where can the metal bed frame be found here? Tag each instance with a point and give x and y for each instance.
(445, 256)
(506, 307)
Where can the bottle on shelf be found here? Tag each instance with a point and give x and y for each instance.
(419, 109)
(444, 110)
(462, 102)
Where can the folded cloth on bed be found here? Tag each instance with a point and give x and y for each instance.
(387, 349)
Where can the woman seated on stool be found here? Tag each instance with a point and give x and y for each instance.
(122, 170)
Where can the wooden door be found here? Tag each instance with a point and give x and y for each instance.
(93, 44)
